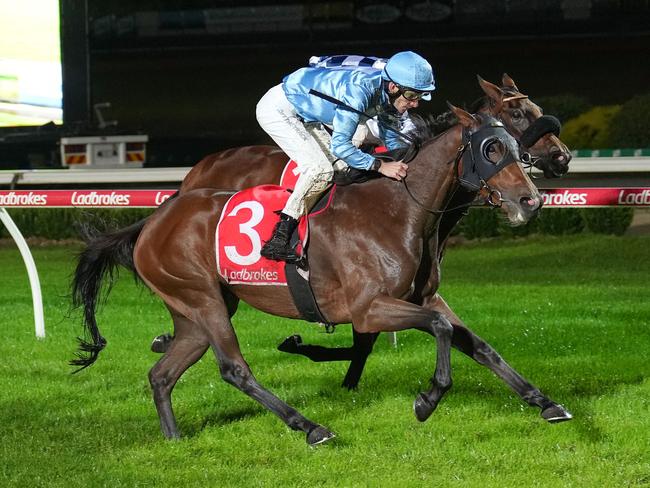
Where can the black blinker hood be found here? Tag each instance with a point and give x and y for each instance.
(476, 167)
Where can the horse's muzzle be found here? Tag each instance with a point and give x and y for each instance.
(556, 164)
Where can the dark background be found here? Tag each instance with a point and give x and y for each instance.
(189, 73)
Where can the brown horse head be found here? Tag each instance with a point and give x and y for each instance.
(537, 134)
(498, 175)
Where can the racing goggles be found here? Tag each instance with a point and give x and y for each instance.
(412, 95)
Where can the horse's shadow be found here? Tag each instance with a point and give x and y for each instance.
(223, 416)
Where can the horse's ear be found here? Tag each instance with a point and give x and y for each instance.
(494, 93)
(508, 82)
(465, 118)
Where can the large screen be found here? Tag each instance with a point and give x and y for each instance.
(30, 63)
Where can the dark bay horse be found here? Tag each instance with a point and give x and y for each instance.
(374, 276)
(244, 167)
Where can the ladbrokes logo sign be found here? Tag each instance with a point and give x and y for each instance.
(255, 275)
(93, 198)
(161, 198)
(23, 199)
(83, 198)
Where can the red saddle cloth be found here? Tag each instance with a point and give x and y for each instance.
(246, 222)
(290, 174)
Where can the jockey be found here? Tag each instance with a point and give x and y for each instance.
(295, 120)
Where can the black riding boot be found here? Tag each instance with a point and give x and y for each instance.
(278, 248)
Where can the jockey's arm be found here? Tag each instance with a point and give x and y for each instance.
(344, 126)
(343, 148)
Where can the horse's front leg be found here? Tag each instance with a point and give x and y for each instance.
(388, 314)
(357, 354)
(472, 345)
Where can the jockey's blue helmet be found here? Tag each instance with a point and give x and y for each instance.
(410, 70)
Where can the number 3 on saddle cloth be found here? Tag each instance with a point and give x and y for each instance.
(246, 222)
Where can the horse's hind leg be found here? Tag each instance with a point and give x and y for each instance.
(189, 345)
(357, 354)
(472, 345)
(234, 370)
(161, 343)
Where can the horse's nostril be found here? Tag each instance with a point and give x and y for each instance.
(531, 203)
(562, 157)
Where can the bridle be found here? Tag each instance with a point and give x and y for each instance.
(473, 169)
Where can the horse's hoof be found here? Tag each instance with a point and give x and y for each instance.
(290, 344)
(161, 343)
(556, 413)
(422, 407)
(350, 385)
(318, 435)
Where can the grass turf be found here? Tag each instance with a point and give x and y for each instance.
(571, 314)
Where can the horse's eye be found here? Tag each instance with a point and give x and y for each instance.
(494, 151)
(517, 114)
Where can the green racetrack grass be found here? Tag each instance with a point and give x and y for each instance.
(571, 314)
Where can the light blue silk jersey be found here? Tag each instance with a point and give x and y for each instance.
(361, 89)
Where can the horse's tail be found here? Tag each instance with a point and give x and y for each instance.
(103, 254)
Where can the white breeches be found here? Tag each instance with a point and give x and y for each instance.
(307, 144)
(279, 119)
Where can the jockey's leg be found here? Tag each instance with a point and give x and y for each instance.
(277, 116)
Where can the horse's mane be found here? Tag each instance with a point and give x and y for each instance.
(431, 125)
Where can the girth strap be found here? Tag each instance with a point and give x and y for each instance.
(297, 275)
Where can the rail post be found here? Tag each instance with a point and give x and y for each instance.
(35, 284)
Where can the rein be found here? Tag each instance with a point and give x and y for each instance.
(488, 197)
(478, 170)
(455, 160)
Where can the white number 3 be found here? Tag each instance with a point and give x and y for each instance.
(247, 228)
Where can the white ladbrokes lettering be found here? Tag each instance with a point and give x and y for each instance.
(13, 199)
(160, 198)
(565, 198)
(253, 276)
(93, 198)
(627, 197)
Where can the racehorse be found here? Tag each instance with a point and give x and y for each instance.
(249, 166)
(374, 276)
